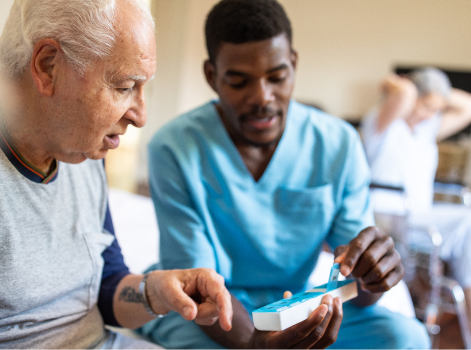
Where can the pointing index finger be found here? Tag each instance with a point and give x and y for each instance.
(216, 290)
(225, 305)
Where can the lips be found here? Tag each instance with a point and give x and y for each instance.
(261, 123)
(111, 141)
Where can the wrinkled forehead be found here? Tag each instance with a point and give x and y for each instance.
(131, 22)
(134, 49)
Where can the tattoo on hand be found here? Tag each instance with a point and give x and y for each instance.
(130, 295)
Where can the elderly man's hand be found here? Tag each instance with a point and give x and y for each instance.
(196, 294)
(372, 259)
(319, 331)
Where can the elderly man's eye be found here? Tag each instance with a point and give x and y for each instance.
(125, 90)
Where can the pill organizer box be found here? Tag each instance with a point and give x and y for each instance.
(287, 312)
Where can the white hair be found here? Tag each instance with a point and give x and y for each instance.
(431, 80)
(84, 29)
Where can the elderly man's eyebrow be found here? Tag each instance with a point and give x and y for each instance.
(136, 78)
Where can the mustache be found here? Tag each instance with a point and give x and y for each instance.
(262, 112)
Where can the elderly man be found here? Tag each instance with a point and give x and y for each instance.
(73, 75)
(254, 183)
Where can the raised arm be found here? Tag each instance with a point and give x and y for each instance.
(399, 98)
(457, 115)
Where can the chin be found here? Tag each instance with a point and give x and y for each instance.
(96, 155)
(263, 141)
(72, 159)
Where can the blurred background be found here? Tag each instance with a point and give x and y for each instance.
(345, 49)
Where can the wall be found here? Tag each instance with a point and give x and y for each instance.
(345, 47)
(5, 6)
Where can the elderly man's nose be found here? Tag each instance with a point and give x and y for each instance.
(137, 114)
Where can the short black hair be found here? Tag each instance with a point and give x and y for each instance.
(243, 21)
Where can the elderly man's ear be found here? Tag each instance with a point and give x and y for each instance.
(47, 55)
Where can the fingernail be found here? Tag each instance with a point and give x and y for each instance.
(187, 311)
(323, 312)
(339, 303)
(345, 270)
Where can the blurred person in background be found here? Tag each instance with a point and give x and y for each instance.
(400, 137)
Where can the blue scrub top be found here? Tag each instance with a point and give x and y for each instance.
(263, 237)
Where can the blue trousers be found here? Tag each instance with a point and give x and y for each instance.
(373, 327)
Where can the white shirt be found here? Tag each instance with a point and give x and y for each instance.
(403, 157)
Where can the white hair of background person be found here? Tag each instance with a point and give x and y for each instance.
(431, 80)
(83, 28)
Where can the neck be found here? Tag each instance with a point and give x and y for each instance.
(23, 127)
(25, 146)
(412, 122)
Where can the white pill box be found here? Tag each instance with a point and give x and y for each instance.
(285, 313)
